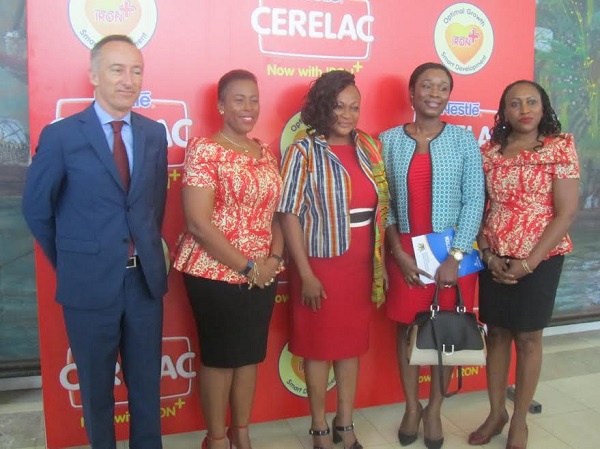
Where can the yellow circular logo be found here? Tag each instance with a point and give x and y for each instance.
(291, 373)
(464, 38)
(293, 130)
(91, 20)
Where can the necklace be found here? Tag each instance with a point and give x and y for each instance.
(419, 133)
(243, 147)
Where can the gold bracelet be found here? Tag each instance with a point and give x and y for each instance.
(276, 257)
(254, 279)
(526, 266)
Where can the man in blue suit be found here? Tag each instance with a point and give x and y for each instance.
(94, 199)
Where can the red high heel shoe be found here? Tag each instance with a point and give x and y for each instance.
(514, 446)
(230, 435)
(208, 437)
(478, 438)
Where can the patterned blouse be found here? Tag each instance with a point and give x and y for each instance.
(520, 194)
(246, 194)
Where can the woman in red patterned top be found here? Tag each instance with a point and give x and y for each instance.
(532, 181)
(230, 255)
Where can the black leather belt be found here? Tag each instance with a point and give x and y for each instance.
(133, 262)
(360, 217)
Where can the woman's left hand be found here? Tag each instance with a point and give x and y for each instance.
(447, 273)
(516, 268)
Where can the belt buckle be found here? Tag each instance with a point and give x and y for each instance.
(132, 262)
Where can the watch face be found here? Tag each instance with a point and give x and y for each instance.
(457, 254)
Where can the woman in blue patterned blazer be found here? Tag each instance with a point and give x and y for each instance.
(436, 182)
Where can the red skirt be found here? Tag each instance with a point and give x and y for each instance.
(340, 329)
(403, 302)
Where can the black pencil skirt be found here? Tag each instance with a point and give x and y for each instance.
(525, 306)
(232, 321)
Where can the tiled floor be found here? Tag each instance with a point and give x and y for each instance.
(569, 392)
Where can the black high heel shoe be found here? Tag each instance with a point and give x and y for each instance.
(318, 433)
(409, 438)
(431, 444)
(337, 437)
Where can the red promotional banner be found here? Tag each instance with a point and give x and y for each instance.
(187, 45)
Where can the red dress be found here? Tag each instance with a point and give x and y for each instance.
(404, 302)
(340, 329)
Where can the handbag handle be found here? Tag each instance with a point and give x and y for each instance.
(443, 388)
(460, 308)
(435, 304)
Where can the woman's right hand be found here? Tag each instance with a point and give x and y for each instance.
(312, 292)
(409, 268)
(499, 267)
(267, 270)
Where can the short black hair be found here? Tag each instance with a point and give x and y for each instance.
(229, 77)
(412, 82)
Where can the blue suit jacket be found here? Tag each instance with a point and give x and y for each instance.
(78, 210)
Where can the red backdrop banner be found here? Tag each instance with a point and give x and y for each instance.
(187, 46)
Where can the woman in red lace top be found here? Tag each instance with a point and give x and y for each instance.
(532, 182)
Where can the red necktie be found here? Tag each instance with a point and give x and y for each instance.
(119, 153)
(122, 162)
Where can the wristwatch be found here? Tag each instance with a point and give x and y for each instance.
(457, 254)
(248, 268)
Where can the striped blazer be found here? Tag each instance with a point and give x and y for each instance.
(316, 188)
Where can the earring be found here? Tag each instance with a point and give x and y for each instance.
(221, 111)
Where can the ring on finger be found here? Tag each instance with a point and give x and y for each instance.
(415, 277)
